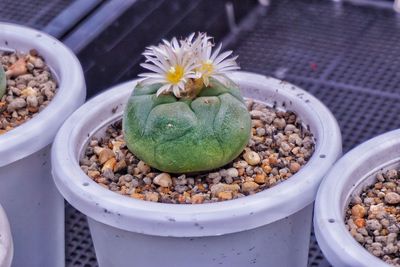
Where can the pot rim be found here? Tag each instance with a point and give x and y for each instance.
(193, 220)
(40, 130)
(6, 244)
(336, 242)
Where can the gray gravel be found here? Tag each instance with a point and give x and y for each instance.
(30, 88)
(278, 148)
(373, 217)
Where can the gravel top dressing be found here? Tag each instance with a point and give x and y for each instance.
(30, 88)
(373, 217)
(278, 148)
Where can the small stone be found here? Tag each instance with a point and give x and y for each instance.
(93, 174)
(272, 159)
(181, 180)
(151, 196)
(180, 188)
(285, 147)
(358, 211)
(240, 164)
(32, 101)
(108, 173)
(391, 174)
(225, 195)
(266, 167)
(163, 180)
(117, 146)
(256, 114)
(279, 123)
(251, 157)
(359, 222)
(28, 91)
(127, 177)
(119, 166)
(18, 68)
(109, 164)
(197, 199)
(373, 225)
(232, 172)
(143, 167)
(248, 187)
(105, 154)
(38, 63)
(392, 198)
(294, 167)
(135, 183)
(359, 238)
(138, 196)
(221, 187)
(260, 178)
(260, 131)
(290, 128)
(15, 104)
(147, 180)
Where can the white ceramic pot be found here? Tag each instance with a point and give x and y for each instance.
(34, 207)
(269, 228)
(348, 177)
(6, 244)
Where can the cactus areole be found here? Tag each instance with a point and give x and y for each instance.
(186, 115)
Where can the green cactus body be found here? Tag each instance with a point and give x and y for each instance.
(182, 135)
(3, 81)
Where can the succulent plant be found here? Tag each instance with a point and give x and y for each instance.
(3, 81)
(186, 115)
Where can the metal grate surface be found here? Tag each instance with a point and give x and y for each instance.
(79, 247)
(347, 56)
(33, 13)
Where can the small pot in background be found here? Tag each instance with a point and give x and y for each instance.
(6, 244)
(34, 207)
(354, 171)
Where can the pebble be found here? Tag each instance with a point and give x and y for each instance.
(23, 98)
(232, 172)
(261, 165)
(105, 154)
(373, 217)
(294, 167)
(221, 187)
(151, 196)
(16, 103)
(251, 157)
(248, 187)
(225, 195)
(143, 167)
(163, 180)
(279, 123)
(392, 198)
(260, 178)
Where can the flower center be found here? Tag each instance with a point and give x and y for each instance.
(174, 74)
(207, 67)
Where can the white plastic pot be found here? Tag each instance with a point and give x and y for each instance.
(6, 244)
(270, 228)
(34, 207)
(347, 178)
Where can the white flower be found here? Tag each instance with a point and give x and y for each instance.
(172, 64)
(211, 64)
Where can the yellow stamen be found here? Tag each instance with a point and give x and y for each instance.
(174, 74)
(207, 67)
